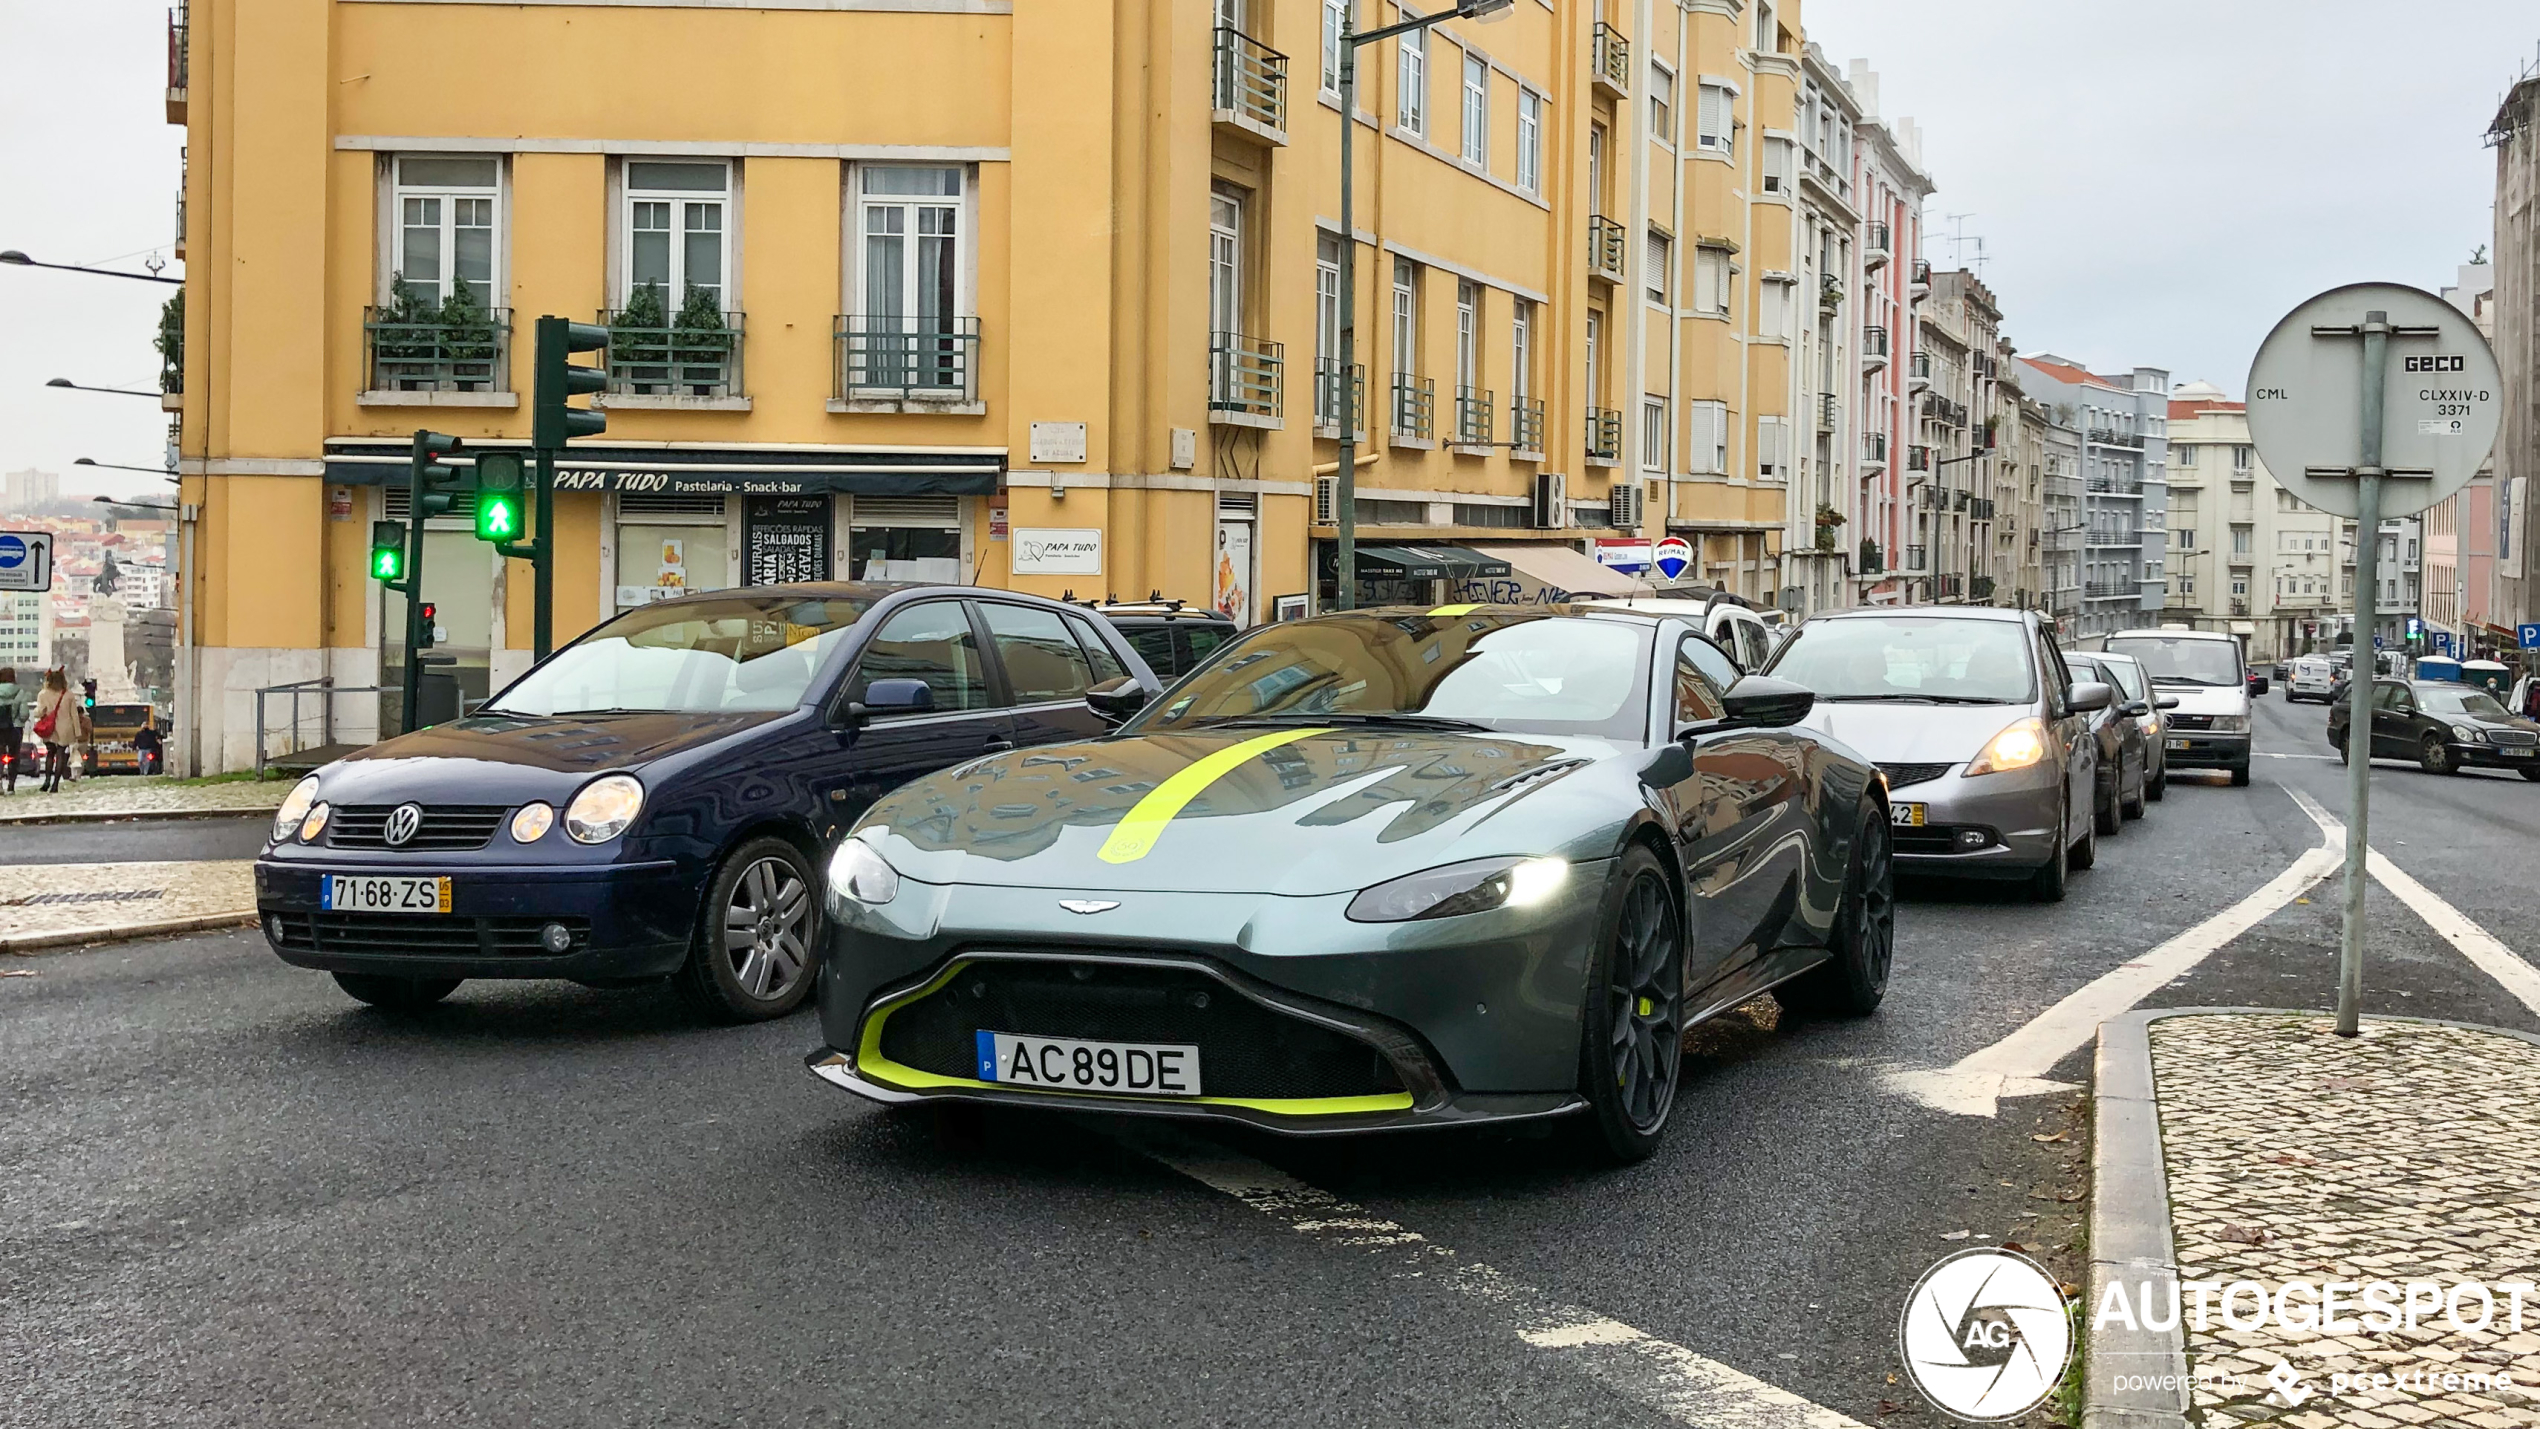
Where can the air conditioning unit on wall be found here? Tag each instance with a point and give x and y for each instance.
(1552, 501)
(1624, 505)
(1327, 503)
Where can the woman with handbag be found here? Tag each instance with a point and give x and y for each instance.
(58, 719)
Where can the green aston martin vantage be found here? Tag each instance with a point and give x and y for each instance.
(1392, 868)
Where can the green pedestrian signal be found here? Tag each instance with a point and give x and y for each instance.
(498, 483)
(388, 551)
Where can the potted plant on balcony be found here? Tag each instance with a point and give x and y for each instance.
(171, 343)
(700, 339)
(638, 332)
(467, 335)
(1872, 559)
(1829, 521)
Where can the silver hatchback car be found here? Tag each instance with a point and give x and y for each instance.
(1982, 730)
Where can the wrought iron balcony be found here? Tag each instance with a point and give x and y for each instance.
(1918, 372)
(1872, 561)
(180, 65)
(1922, 275)
(1328, 398)
(674, 361)
(881, 358)
(1917, 558)
(2111, 437)
(1918, 458)
(1252, 86)
(1415, 402)
(1829, 411)
(1874, 344)
(1525, 425)
(1604, 434)
(1876, 246)
(1874, 448)
(1611, 56)
(404, 355)
(1244, 377)
(1606, 248)
(1476, 417)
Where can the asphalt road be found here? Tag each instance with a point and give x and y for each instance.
(134, 840)
(234, 1197)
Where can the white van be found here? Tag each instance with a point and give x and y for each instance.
(2210, 727)
(2311, 678)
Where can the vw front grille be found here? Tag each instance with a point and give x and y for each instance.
(446, 828)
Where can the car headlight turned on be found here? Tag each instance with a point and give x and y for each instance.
(604, 808)
(531, 822)
(2018, 747)
(295, 807)
(856, 871)
(2231, 724)
(1475, 886)
(315, 823)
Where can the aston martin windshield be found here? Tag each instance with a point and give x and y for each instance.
(1930, 660)
(709, 657)
(1495, 671)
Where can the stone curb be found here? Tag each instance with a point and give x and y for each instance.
(87, 816)
(23, 943)
(2130, 1235)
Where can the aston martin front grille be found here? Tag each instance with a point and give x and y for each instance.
(1245, 1049)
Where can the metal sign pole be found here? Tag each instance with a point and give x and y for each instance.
(2359, 690)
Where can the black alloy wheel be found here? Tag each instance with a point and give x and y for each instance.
(1852, 982)
(1634, 1049)
(397, 994)
(755, 946)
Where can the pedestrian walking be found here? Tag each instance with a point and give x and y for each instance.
(12, 728)
(146, 751)
(61, 724)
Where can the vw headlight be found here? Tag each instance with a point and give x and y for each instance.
(2469, 734)
(531, 823)
(295, 807)
(2017, 747)
(315, 823)
(860, 873)
(1475, 886)
(604, 808)
(2231, 724)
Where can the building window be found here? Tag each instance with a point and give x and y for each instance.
(2240, 540)
(1476, 111)
(1521, 349)
(1662, 103)
(1412, 82)
(1765, 37)
(2239, 458)
(1771, 459)
(1329, 381)
(1707, 444)
(2240, 585)
(1468, 335)
(676, 237)
(1653, 434)
(446, 225)
(1717, 123)
(1335, 17)
(1596, 169)
(2186, 537)
(1658, 258)
(1773, 321)
(1530, 141)
(2185, 452)
(913, 267)
(1711, 281)
(1595, 354)
(1225, 263)
(1406, 318)
(1777, 166)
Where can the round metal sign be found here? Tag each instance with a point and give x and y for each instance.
(2442, 398)
(1671, 556)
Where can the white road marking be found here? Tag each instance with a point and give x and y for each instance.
(1666, 1377)
(2270, 754)
(2475, 943)
(2017, 1065)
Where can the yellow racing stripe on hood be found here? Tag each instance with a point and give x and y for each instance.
(1453, 610)
(1135, 836)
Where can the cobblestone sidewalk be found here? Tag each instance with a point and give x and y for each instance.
(108, 796)
(55, 904)
(2410, 1153)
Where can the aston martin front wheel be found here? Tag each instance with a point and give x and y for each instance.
(1863, 943)
(1633, 1050)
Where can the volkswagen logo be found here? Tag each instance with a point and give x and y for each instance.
(402, 823)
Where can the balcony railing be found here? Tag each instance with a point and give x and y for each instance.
(1917, 558)
(180, 65)
(434, 356)
(675, 361)
(1606, 248)
(1476, 416)
(1525, 425)
(1604, 434)
(2116, 485)
(1252, 84)
(881, 358)
(1941, 409)
(1829, 411)
(1872, 561)
(1244, 376)
(1874, 342)
(1874, 448)
(1918, 458)
(2111, 437)
(1415, 402)
(1328, 398)
(1918, 369)
(1876, 245)
(1922, 272)
(1980, 588)
(1611, 55)
(2108, 590)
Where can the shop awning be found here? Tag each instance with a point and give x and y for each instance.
(706, 471)
(1562, 568)
(1415, 563)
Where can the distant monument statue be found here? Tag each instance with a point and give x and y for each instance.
(108, 577)
(106, 659)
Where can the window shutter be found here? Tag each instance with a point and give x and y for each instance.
(1768, 445)
(1704, 438)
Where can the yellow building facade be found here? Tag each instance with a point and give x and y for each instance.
(1028, 293)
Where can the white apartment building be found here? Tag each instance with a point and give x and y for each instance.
(2123, 419)
(1825, 338)
(26, 632)
(2245, 557)
(1890, 186)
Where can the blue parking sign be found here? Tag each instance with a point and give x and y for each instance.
(2530, 636)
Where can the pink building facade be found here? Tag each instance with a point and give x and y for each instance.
(1890, 185)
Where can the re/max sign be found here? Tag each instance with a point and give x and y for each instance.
(2436, 362)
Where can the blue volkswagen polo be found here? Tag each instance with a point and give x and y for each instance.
(655, 799)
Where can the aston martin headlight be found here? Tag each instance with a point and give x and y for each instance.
(295, 807)
(856, 871)
(2231, 724)
(2017, 747)
(531, 822)
(1475, 886)
(604, 808)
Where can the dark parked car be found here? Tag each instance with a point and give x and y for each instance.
(659, 796)
(1397, 867)
(2124, 777)
(1173, 638)
(2444, 727)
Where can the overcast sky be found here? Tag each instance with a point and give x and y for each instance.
(2155, 181)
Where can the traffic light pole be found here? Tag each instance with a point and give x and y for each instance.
(539, 552)
(412, 585)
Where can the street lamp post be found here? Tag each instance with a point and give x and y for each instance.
(16, 259)
(68, 384)
(1345, 476)
(158, 471)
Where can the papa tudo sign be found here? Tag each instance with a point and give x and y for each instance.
(2442, 398)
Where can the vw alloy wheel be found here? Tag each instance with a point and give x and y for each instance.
(767, 929)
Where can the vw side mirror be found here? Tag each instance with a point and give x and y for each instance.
(2088, 696)
(1762, 702)
(891, 697)
(1115, 701)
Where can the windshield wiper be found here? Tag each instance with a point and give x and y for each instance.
(606, 710)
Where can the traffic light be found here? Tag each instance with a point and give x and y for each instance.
(88, 694)
(425, 614)
(434, 484)
(552, 423)
(498, 492)
(388, 551)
